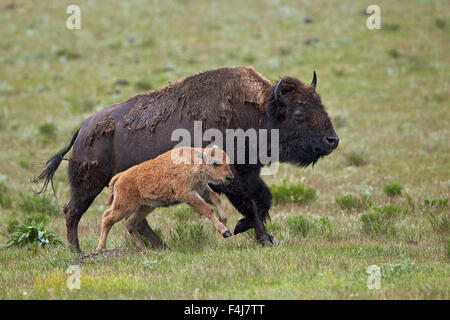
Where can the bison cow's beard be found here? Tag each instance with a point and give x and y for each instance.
(304, 152)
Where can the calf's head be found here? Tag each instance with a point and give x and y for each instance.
(217, 166)
(305, 129)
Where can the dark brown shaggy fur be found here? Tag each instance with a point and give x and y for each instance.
(237, 86)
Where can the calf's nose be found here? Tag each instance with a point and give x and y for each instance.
(229, 178)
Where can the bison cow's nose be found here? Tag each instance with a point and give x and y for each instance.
(332, 141)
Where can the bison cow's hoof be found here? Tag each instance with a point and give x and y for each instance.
(226, 234)
(243, 225)
(266, 239)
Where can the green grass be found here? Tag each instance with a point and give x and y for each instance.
(393, 189)
(292, 193)
(381, 221)
(350, 202)
(33, 203)
(386, 91)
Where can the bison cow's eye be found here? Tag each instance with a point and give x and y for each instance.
(215, 164)
(299, 116)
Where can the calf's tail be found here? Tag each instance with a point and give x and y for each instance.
(111, 188)
(52, 165)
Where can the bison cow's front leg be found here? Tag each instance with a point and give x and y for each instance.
(252, 198)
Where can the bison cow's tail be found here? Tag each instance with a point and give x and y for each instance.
(52, 165)
(111, 188)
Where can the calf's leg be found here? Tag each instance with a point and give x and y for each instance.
(110, 217)
(215, 200)
(196, 202)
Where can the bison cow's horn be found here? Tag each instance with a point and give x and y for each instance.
(278, 95)
(314, 80)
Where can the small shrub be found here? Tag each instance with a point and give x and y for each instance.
(436, 203)
(274, 227)
(393, 189)
(3, 120)
(5, 198)
(439, 223)
(249, 58)
(292, 193)
(189, 235)
(24, 163)
(391, 27)
(143, 85)
(37, 218)
(148, 43)
(299, 225)
(391, 271)
(12, 226)
(32, 235)
(3, 188)
(322, 226)
(78, 105)
(381, 220)
(184, 213)
(410, 201)
(440, 23)
(447, 247)
(48, 130)
(356, 159)
(393, 53)
(115, 45)
(33, 203)
(349, 202)
(68, 54)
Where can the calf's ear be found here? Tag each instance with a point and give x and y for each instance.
(198, 155)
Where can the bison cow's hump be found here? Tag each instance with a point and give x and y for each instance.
(208, 96)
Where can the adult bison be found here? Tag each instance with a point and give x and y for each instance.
(128, 133)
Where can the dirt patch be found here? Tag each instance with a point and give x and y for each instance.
(115, 253)
(104, 127)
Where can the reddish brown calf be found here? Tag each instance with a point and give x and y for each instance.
(177, 176)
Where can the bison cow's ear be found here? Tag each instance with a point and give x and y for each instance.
(280, 99)
(314, 80)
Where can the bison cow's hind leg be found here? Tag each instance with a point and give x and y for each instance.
(144, 229)
(87, 180)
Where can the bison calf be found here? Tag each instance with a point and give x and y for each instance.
(177, 176)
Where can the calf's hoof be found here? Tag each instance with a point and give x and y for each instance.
(226, 234)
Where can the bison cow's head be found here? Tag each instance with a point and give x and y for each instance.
(306, 132)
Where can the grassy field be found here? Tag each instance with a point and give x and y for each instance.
(380, 199)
